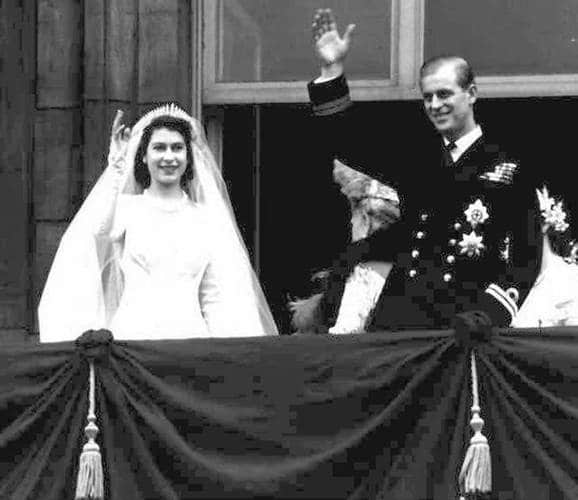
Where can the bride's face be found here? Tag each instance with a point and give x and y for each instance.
(166, 157)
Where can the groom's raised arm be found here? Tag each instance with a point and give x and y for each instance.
(339, 130)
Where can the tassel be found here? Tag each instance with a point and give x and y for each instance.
(90, 482)
(476, 473)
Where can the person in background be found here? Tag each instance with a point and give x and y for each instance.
(553, 298)
(351, 287)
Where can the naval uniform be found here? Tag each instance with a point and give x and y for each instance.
(462, 241)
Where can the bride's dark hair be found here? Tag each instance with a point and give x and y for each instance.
(141, 172)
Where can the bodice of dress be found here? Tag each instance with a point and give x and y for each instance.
(165, 258)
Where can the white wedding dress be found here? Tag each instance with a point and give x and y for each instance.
(171, 268)
(149, 268)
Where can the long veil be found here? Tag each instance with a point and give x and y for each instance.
(85, 283)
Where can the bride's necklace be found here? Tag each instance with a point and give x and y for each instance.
(166, 204)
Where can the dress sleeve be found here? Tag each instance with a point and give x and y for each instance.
(225, 295)
(123, 212)
(113, 204)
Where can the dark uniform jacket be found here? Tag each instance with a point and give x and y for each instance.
(462, 241)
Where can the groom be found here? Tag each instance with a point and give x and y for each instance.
(461, 244)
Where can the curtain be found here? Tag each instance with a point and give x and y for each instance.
(370, 416)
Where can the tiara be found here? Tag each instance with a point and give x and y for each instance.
(165, 110)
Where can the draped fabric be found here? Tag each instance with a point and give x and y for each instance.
(370, 416)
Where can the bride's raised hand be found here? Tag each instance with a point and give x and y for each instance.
(119, 138)
(331, 48)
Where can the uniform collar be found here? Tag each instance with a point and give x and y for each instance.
(464, 142)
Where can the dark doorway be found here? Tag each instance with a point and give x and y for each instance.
(292, 215)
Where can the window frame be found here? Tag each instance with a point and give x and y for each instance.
(407, 39)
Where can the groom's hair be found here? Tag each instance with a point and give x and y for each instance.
(141, 171)
(464, 71)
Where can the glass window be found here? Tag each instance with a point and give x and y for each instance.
(270, 40)
(514, 37)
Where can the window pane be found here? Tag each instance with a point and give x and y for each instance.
(513, 37)
(270, 40)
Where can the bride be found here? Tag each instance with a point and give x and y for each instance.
(155, 252)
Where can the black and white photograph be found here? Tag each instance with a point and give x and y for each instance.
(288, 249)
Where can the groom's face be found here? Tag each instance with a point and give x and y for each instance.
(448, 105)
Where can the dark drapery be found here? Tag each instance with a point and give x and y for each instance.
(340, 417)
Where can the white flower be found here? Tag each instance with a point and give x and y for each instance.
(544, 199)
(553, 214)
(556, 217)
(471, 244)
(477, 213)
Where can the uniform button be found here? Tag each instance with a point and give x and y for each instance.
(420, 235)
(424, 217)
(514, 294)
(412, 273)
(415, 253)
(452, 242)
(450, 259)
(457, 226)
(447, 277)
